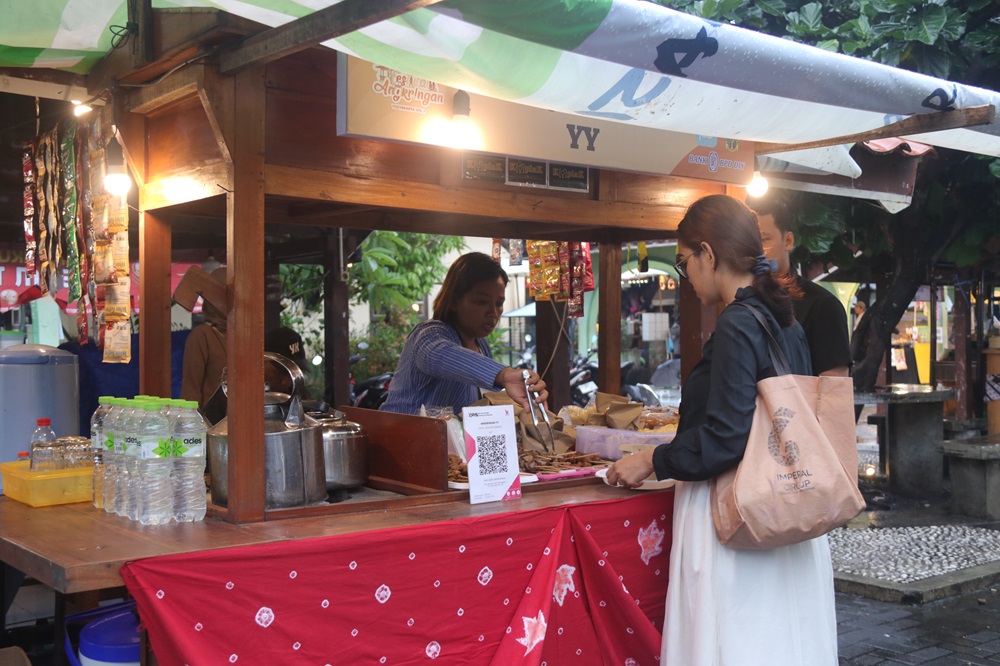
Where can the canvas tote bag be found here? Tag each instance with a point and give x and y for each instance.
(798, 478)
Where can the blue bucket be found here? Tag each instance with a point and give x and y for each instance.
(110, 636)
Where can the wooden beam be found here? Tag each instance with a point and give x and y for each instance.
(918, 124)
(50, 85)
(609, 318)
(216, 95)
(334, 21)
(141, 15)
(527, 205)
(189, 186)
(154, 302)
(245, 282)
(183, 83)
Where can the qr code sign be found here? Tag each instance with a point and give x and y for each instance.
(492, 452)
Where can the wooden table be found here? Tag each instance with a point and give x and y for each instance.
(915, 430)
(75, 548)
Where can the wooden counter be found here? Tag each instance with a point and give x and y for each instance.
(75, 547)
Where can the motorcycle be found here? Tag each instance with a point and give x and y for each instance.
(583, 379)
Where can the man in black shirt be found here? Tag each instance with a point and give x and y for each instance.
(818, 310)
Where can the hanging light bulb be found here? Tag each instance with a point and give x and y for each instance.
(116, 180)
(464, 133)
(80, 109)
(757, 187)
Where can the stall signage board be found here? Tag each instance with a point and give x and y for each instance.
(491, 452)
(381, 103)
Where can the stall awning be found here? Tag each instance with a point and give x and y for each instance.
(624, 60)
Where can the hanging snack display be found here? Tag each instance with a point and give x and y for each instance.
(28, 168)
(117, 342)
(497, 243)
(516, 251)
(104, 264)
(560, 271)
(48, 223)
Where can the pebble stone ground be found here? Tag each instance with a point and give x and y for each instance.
(903, 542)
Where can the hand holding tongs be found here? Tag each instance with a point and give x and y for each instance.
(534, 416)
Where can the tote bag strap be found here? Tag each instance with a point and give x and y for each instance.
(778, 359)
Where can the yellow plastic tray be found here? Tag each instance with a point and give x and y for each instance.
(63, 486)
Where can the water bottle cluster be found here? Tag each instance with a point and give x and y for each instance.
(149, 459)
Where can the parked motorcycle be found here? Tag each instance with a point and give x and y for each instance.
(372, 392)
(583, 379)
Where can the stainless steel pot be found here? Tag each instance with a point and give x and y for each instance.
(345, 451)
(293, 449)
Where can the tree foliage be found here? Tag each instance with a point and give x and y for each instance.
(953, 217)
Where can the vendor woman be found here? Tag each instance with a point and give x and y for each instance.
(446, 362)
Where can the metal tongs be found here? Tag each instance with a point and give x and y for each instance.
(534, 416)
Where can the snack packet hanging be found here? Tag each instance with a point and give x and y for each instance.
(117, 301)
(104, 264)
(28, 171)
(497, 244)
(516, 251)
(118, 342)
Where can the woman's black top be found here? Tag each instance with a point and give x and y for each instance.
(719, 396)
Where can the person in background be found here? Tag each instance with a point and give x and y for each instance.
(724, 606)
(818, 310)
(859, 311)
(288, 343)
(205, 352)
(446, 361)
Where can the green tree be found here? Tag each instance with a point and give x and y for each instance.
(953, 216)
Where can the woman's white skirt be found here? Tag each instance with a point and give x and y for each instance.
(728, 607)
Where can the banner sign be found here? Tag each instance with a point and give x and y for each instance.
(380, 103)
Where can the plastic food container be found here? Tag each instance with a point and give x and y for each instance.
(61, 486)
(606, 442)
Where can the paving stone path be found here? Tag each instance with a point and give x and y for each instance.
(950, 632)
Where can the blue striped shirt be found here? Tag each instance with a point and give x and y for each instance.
(437, 371)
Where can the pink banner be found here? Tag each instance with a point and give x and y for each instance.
(575, 584)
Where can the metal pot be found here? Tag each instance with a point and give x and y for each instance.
(345, 451)
(293, 452)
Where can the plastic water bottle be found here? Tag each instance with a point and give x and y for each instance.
(97, 447)
(46, 455)
(155, 463)
(111, 453)
(128, 465)
(190, 433)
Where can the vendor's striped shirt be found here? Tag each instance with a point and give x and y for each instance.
(435, 370)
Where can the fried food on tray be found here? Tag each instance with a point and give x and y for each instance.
(536, 462)
(457, 470)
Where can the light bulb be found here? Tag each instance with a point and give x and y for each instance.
(757, 187)
(116, 181)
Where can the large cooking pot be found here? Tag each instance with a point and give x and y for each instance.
(345, 451)
(293, 450)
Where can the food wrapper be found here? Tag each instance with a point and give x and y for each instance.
(564, 272)
(82, 322)
(516, 251)
(117, 211)
(117, 302)
(118, 342)
(28, 169)
(529, 436)
(497, 244)
(456, 437)
(104, 264)
(119, 249)
(616, 411)
(534, 266)
(99, 218)
(588, 268)
(70, 211)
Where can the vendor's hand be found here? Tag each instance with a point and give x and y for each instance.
(512, 380)
(631, 470)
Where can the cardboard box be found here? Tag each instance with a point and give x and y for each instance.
(63, 486)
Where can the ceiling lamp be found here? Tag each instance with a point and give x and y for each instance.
(757, 187)
(116, 179)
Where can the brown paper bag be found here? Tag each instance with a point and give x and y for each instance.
(529, 437)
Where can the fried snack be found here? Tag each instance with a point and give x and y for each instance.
(536, 462)
(457, 469)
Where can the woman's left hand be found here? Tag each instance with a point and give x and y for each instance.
(631, 470)
(512, 380)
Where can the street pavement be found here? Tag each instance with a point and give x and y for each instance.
(953, 631)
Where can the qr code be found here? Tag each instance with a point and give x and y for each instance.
(492, 451)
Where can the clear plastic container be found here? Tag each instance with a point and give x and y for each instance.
(112, 453)
(190, 441)
(128, 466)
(154, 466)
(46, 454)
(97, 447)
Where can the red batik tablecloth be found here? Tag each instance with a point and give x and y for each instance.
(576, 584)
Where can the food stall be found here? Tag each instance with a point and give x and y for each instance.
(217, 132)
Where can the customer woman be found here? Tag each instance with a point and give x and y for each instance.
(728, 607)
(446, 362)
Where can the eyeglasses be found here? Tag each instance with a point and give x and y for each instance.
(679, 266)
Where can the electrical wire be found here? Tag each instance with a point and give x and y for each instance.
(562, 334)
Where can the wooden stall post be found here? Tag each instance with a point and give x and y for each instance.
(609, 319)
(552, 345)
(245, 284)
(697, 323)
(960, 312)
(154, 304)
(337, 322)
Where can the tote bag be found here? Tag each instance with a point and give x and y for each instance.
(798, 478)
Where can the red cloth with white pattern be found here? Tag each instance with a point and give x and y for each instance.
(576, 584)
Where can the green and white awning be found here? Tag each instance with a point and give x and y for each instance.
(624, 60)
